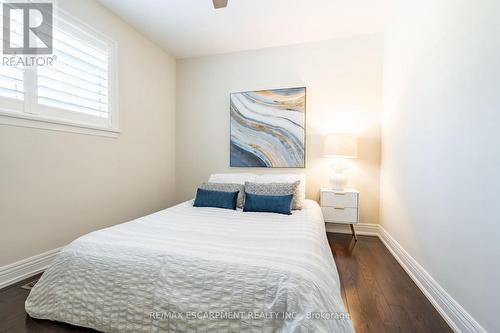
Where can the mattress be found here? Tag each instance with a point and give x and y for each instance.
(190, 269)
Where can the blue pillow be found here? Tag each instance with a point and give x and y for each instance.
(281, 204)
(219, 199)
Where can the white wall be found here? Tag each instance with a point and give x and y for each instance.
(440, 152)
(344, 93)
(56, 186)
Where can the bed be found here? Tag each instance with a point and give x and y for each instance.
(189, 269)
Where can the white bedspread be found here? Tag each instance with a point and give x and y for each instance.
(187, 269)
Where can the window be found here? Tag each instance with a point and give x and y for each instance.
(11, 77)
(78, 89)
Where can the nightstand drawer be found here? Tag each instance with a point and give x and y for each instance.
(339, 199)
(345, 215)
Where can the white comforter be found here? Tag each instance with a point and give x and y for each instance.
(187, 269)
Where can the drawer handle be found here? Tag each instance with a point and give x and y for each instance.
(338, 193)
(342, 208)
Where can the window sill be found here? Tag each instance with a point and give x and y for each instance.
(25, 120)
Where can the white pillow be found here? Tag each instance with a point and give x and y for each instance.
(287, 178)
(234, 178)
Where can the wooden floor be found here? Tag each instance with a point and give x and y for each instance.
(376, 291)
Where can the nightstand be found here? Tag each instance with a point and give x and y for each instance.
(340, 206)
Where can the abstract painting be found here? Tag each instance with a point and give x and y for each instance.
(268, 128)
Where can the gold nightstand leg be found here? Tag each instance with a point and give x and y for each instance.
(354, 232)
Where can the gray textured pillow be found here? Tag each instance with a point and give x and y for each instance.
(226, 187)
(276, 189)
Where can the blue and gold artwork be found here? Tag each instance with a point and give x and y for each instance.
(268, 128)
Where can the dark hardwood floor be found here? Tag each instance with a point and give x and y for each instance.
(377, 292)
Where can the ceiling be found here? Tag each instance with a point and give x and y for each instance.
(190, 28)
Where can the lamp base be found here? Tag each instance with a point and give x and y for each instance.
(338, 181)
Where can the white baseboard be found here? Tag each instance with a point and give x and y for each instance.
(25, 268)
(454, 314)
(365, 229)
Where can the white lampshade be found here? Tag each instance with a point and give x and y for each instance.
(340, 145)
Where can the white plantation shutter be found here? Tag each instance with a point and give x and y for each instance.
(11, 82)
(78, 80)
(77, 89)
(12, 78)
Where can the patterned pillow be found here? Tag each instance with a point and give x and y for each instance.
(275, 189)
(285, 178)
(226, 187)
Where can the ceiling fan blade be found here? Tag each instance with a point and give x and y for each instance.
(219, 3)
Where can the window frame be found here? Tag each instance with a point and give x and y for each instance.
(34, 115)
